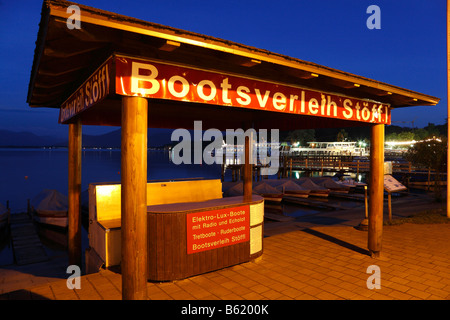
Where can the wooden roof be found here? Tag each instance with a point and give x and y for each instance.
(64, 58)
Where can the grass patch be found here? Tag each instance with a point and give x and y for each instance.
(423, 217)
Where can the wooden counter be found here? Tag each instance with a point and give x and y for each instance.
(178, 247)
(167, 239)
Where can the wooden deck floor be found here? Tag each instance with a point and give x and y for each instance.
(27, 246)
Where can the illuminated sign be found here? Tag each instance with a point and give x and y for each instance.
(213, 229)
(149, 79)
(165, 81)
(92, 91)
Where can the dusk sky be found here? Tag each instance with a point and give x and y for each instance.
(408, 51)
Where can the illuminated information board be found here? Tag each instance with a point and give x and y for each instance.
(207, 230)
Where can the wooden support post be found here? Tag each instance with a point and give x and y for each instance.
(134, 198)
(390, 206)
(290, 168)
(248, 168)
(366, 206)
(74, 195)
(376, 190)
(224, 163)
(364, 225)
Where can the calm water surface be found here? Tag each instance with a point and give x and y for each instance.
(26, 172)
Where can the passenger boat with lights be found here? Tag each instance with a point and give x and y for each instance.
(345, 148)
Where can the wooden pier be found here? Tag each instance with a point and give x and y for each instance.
(27, 246)
(344, 164)
(326, 164)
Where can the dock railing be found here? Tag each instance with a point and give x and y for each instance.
(356, 166)
(346, 164)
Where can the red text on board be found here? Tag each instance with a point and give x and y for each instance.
(92, 91)
(164, 81)
(213, 229)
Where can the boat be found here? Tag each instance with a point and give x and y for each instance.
(351, 183)
(344, 148)
(329, 183)
(268, 192)
(50, 208)
(226, 185)
(290, 188)
(315, 190)
(234, 189)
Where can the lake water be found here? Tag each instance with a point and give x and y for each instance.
(26, 172)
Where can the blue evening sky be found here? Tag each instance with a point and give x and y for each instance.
(408, 51)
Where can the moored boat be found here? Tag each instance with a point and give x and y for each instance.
(268, 192)
(234, 189)
(290, 188)
(329, 183)
(50, 207)
(350, 183)
(315, 190)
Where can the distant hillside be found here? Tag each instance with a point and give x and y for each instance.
(161, 137)
(28, 139)
(156, 138)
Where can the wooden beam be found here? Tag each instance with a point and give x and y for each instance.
(74, 196)
(61, 53)
(170, 46)
(250, 63)
(96, 17)
(248, 170)
(376, 190)
(43, 72)
(134, 198)
(42, 85)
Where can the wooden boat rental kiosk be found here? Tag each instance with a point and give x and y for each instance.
(120, 71)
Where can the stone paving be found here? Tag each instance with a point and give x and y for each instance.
(325, 263)
(319, 257)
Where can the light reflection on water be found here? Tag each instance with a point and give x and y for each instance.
(26, 172)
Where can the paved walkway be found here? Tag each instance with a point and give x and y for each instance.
(302, 260)
(317, 263)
